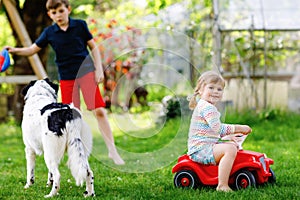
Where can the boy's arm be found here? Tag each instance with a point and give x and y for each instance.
(24, 51)
(99, 76)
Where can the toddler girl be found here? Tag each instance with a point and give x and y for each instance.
(206, 130)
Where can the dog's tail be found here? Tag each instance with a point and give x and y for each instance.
(77, 152)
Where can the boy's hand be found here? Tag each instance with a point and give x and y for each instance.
(99, 77)
(9, 49)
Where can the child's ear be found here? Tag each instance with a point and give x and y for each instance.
(69, 9)
(200, 90)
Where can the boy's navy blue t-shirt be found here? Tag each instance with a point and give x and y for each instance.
(70, 46)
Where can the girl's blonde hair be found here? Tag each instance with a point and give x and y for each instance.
(205, 78)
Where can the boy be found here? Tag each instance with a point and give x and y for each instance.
(69, 38)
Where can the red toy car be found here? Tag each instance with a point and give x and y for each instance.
(249, 169)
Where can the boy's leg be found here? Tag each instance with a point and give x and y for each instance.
(224, 154)
(95, 103)
(105, 129)
(70, 92)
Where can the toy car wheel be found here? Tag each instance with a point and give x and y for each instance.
(244, 179)
(186, 179)
(272, 178)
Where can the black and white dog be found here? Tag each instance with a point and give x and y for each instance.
(52, 128)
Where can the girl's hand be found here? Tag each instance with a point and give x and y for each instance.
(246, 129)
(243, 129)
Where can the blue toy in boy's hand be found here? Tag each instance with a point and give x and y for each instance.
(4, 60)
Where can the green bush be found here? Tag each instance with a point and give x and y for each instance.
(177, 107)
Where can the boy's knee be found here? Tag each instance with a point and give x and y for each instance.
(99, 112)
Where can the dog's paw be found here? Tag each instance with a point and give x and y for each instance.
(50, 195)
(27, 186)
(87, 194)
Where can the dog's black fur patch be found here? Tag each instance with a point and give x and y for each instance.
(26, 88)
(53, 85)
(54, 106)
(58, 118)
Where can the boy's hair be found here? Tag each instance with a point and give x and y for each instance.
(204, 79)
(53, 4)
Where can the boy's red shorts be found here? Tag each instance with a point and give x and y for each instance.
(89, 88)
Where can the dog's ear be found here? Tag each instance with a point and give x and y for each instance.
(53, 85)
(26, 88)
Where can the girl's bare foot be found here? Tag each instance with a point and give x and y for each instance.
(224, 189)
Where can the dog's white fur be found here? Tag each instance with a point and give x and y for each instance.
(76, 138)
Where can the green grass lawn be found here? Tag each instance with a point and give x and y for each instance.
(150, 152)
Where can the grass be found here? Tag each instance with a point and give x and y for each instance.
(150, 152)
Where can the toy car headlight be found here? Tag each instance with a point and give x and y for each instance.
(263, 163)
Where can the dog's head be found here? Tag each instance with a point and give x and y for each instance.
(39, 87)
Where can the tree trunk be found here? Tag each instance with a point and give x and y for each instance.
(35, 18)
